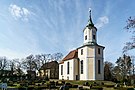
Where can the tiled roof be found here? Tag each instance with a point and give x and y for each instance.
(73, 54)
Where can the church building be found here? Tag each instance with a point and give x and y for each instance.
(86, 61)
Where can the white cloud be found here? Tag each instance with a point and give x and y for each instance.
(25, 11)
(19, 12)
(102, 21)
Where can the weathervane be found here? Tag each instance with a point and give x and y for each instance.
(90, 12)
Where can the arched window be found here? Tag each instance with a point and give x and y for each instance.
(61, 69)
(67, 67)
(98, 50)
(94, 37)
(99, 70)
(81, 51)
(86, 37)
(81, 66)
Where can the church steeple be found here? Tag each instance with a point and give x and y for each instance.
(90, 32)
(90, 23)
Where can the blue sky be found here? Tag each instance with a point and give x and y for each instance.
(49, 26)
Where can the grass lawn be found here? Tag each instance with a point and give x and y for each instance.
(90, 82)
(107, 85)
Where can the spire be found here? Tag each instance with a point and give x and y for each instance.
(90, 23)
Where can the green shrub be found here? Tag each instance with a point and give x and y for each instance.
(74, 86)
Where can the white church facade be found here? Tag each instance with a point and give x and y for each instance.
(86, 62)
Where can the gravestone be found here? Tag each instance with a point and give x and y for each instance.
(4, 86)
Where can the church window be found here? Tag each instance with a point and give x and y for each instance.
(82, 67)
(86, 37)
(98, 50)
(99, 71)
(94, 37)
(81, 51)
(61, 69)
(67, 67)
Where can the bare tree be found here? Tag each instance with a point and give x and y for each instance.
(12, 67)
(57, 56)
(38, 60)
(117, 73)
(124, 64)
(130, 23)
(108, 67)
(29, 64)
(18, 71)
(45, 59)
(3, 64)
(131, 28)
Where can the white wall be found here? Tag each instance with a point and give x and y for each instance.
(83, 57)
(89, 33)
(72, 67)
(90, 58)
(89, 63)
(76, 68)
(71, 75)
(71, 70)
(99, 57)
(60, 76)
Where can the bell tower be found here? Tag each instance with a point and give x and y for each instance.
(90, 54)
(90, 36)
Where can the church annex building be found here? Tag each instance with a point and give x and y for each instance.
(86, 62)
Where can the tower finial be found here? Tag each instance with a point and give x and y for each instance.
(90, 23)
(89, 13)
